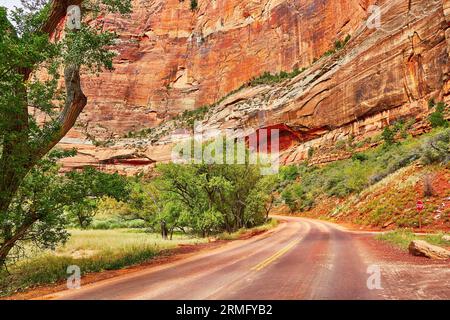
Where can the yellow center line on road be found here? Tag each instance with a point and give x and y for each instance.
(277, 255)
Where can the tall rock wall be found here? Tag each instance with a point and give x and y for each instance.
(172, 60)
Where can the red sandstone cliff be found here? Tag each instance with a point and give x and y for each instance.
(172, 59)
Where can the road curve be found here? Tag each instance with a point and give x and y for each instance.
(300, 259)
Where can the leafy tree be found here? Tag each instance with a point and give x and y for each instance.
(37, 213)
(210, 198)
(388, 136)
(147, 204)
(437, 118)
(33, 61)
(88, 186)
(264, 196)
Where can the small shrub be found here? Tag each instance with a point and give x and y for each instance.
(289, 200)
(360, 157)
(269, 78)
(289, 173)
(194, 5)
(437, 118)
(431, 104)
(437, 149)
(347, 39)
(310, 152)
(388, 136)
(338, 45)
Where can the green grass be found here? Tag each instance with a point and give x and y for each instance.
(236, 235)
(92, 251)
(402, 238)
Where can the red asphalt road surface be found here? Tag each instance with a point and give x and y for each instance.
(300, 259)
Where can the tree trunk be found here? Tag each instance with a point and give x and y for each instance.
(7, 245)
(164, 231)
(20, 153)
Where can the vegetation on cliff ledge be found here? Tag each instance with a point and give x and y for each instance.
(411, 167)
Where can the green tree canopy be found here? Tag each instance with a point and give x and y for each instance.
(40, 70)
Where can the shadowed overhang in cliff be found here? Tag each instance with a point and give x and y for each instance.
(288, 136)
(128, 159)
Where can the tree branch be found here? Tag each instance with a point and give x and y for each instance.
(57, 12)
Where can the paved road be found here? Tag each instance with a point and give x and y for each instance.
(300, 259)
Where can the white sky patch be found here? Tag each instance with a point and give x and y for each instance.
(10, 3)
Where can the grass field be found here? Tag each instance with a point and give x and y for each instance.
(92, 251)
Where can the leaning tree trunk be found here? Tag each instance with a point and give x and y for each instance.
(164, 231)
(8, 244)
(20, 152)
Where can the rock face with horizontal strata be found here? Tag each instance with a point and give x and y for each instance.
(173, 59)
(382, 75)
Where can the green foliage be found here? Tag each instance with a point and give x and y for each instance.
(32, 195)
(436, 150)
(205, 199)
(347, 39)
(189, 117)
(86, 48)
(269, 78)
(396, 131)
(338, 45)
(388, 136)
(360, 157)
(47, 201)
(113, 6)
(289, 173)
(143, 133)
(306, 183)
(437, 118)
(88, 186)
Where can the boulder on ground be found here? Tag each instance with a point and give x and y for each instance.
(446, 237)
(422, 248)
